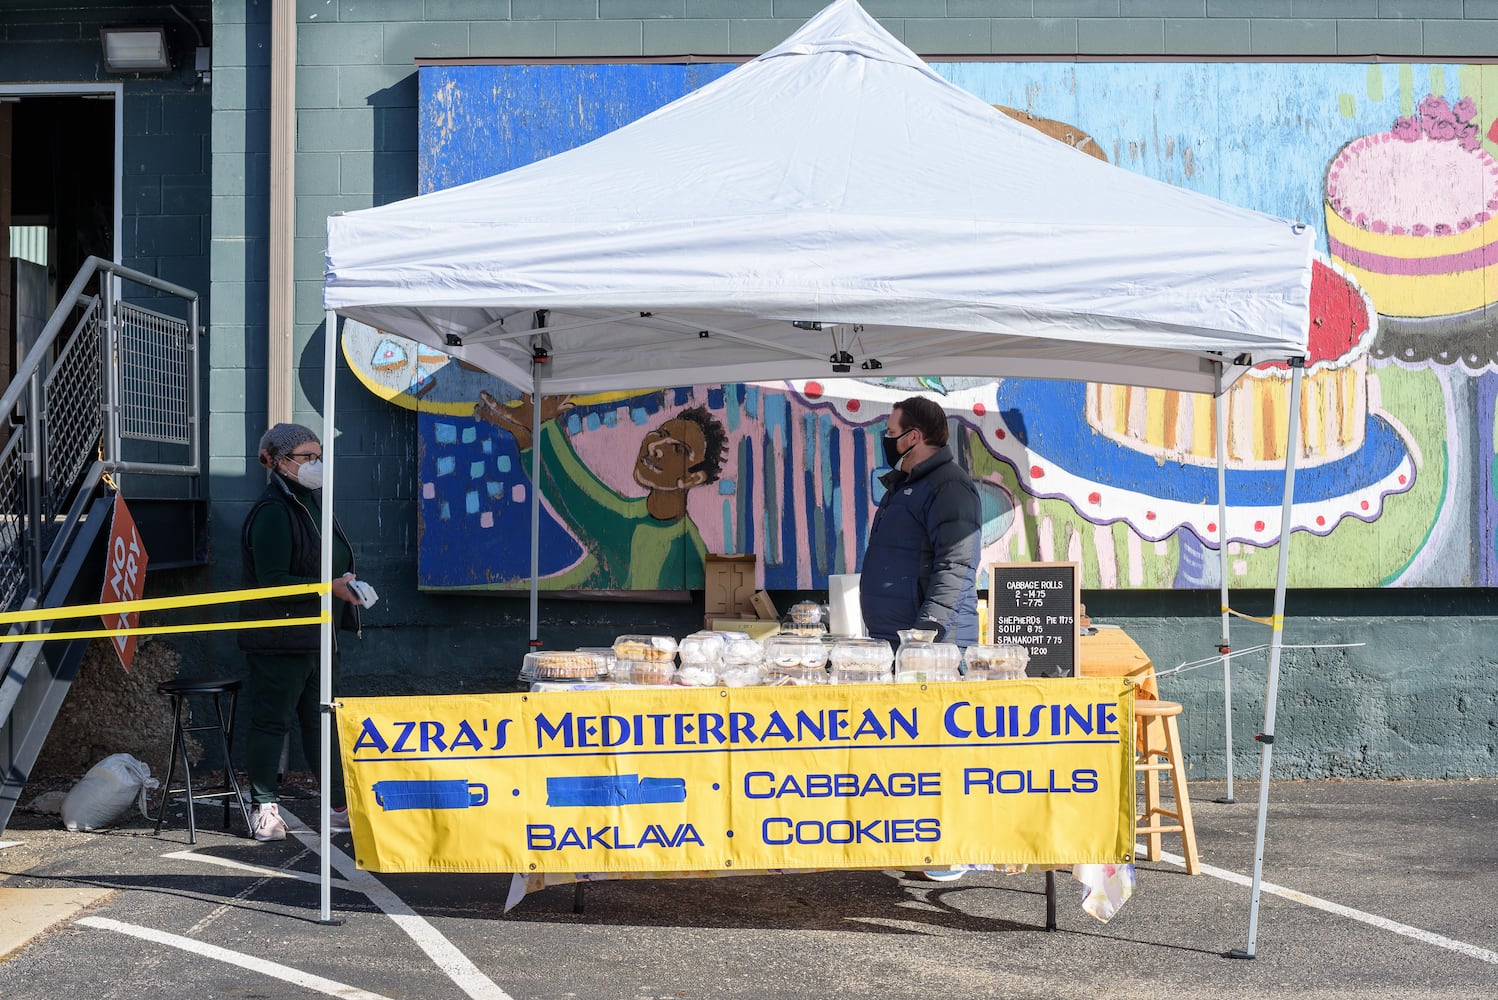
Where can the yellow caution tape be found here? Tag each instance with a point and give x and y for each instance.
(161, 629)
(1277, 622)
(161, 603)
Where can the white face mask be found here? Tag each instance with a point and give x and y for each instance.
(309, 474)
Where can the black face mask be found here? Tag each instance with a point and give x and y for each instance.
(892, 452)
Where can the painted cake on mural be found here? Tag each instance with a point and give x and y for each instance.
(1182, 427)
(1410, 213)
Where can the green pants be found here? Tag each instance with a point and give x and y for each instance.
(284, 688)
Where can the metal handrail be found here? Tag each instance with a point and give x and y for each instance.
(66, 416)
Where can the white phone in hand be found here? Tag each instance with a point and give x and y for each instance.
(363, 593)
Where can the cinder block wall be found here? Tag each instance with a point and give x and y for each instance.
(1416, 701)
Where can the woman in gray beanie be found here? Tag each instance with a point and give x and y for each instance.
(281, 544)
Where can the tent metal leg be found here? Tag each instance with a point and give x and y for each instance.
(331, 325)
(1266, 738)
(1225, 646)
(535, 642)
(1050, 900)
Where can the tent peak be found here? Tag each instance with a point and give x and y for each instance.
(844, 26)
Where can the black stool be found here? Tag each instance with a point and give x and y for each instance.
(179, 691)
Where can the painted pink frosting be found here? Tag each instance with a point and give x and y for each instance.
(1412, 184)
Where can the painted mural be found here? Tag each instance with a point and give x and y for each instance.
(1393, 165)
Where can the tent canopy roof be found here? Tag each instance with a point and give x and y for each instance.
(833, 198)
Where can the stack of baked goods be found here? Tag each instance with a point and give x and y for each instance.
(645, 659)
(860, 661)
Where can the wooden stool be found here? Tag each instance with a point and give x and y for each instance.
(1159, 743)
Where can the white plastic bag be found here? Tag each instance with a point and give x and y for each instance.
(103, 795)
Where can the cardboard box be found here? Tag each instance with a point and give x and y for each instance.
(764, 607)
(756, 628)
(728, 584)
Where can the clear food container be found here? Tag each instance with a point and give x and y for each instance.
(702, 647)
(604, 655)
(860, 661)
(636, 648)
(1004, 662)
(562, 665)
(742, 650)
(795, 651)
(805, 618)
(654, 673)
(737, 675)
(919, 659)
(699, 673)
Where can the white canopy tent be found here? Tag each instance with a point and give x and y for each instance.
(831, 207)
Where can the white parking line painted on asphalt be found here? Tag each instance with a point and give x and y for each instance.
(1372, 919)
(274, 970)
(439, 949)
(260, 870)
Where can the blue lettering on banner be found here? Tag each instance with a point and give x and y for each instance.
(964, 720)
(986, 780)
(769, 785)
(427, 737)
(545, 837)
(778, 831)
(667, 729)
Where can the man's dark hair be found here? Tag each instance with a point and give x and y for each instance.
(929, 417)
(715, 440)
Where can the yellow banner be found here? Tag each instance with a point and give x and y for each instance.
(1037, 771)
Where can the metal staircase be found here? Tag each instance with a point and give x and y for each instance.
(110, 388)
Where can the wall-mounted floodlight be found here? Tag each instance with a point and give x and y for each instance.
(135, 50)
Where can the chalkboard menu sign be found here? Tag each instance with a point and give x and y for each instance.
(1035, 605)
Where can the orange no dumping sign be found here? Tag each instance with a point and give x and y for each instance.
(124, 578)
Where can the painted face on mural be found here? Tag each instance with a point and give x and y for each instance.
(668, 456)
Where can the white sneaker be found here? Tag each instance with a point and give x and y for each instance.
(944, 874)
(266, 822)
(338, 820)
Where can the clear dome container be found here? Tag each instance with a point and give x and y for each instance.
(702, 647)
(805, 618)
(860, 661)
(562, 665)
(660, 648)
(653, 673)
(1002, 662)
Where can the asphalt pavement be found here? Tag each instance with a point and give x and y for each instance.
(1371, 888)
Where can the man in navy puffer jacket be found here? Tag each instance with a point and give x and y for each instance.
(920, 568)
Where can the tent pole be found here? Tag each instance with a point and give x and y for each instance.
(535, 642)
(1224, 646)
(1266, 739)
(325, 670)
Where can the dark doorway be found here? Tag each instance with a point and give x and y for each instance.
(56, 199)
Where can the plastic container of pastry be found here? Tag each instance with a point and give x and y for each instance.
(604, 654)
(562, 665)
(742, 650)
(923, 662)
(737, 675)
(650, 673)
(702, 647)
(860, 661)
(1003, 662)
(699, 673)
(784, 650)
(636, 648)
